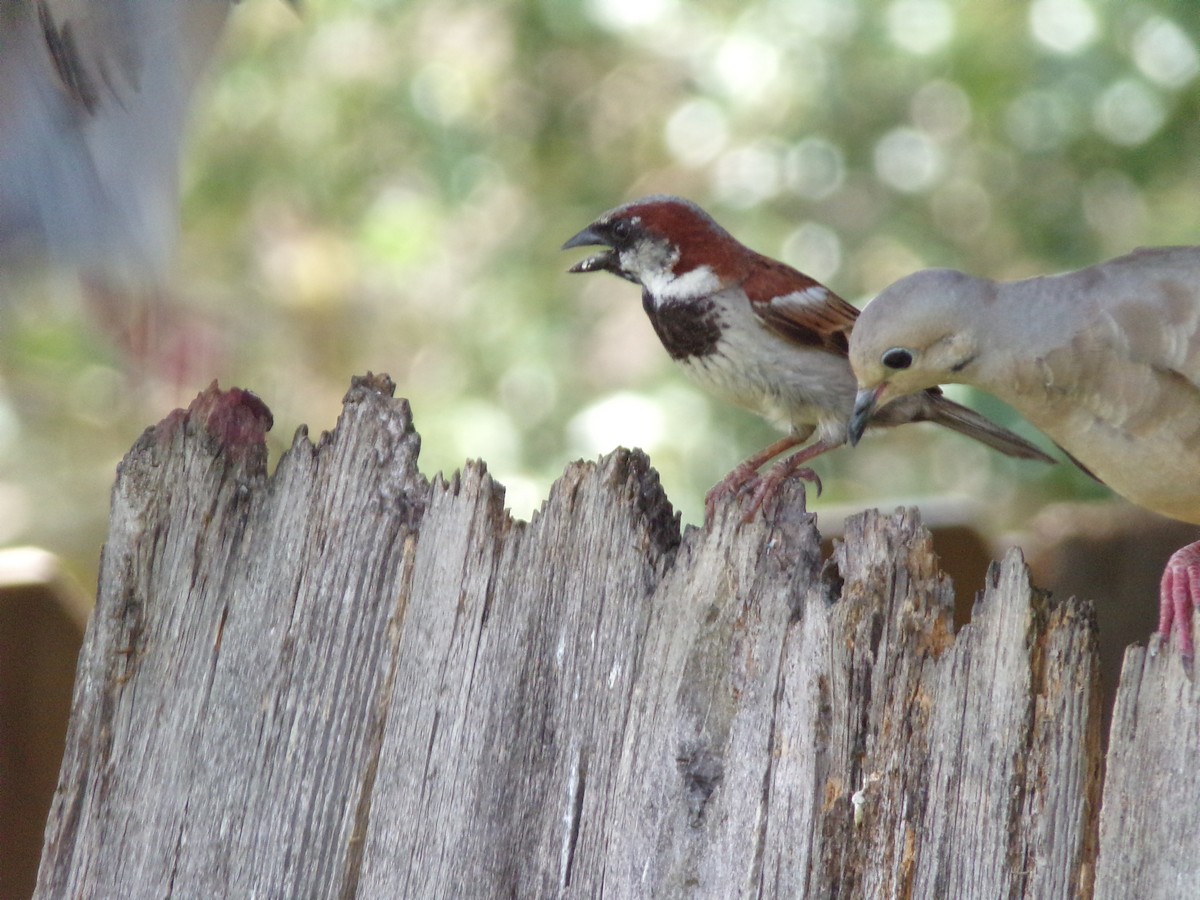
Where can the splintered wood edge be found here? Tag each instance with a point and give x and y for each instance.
(235, 422)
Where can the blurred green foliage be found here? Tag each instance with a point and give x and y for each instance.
(384, 185)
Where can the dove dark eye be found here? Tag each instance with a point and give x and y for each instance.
(897, 358)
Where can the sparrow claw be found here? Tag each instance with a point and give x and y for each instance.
(762, 489)
(736, 482)
(768, 487)
(810, 475)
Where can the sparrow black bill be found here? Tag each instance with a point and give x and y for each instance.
(605, 261)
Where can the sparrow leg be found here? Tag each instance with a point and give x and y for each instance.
(1179, 594)
(745, 473)
(792, 467)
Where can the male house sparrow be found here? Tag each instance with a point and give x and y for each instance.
(759, 334)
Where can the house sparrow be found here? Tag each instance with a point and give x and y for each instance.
(759, 334)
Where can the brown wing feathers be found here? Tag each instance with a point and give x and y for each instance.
(822, 323)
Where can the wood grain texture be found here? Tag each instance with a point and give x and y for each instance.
(1150, 822)
(346, 681)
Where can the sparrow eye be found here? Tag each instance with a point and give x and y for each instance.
(621, 229)
(897, 358)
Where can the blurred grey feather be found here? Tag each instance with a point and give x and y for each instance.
(94, 98)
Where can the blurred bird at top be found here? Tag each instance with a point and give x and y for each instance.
(94, 98)
(759, 334)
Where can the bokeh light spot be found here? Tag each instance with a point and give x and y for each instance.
(814, 168)
(815, 250)
(920, 26)
(623, 419)
(941, 108)
(1129, 112)
(746, 65)
(1040, 120)
(627, 15)
(1165, 54)
(697, 132)
(908, 160)
(1064, 26)
(746, 176)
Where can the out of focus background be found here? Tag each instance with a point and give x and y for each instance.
(383, 185)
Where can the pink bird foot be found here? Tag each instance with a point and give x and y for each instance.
(763, 487)
(760, 488)
(1178, 596)
(738, 480)
(768, 486)
(743, 475)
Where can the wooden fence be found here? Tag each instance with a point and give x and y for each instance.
(345, 681)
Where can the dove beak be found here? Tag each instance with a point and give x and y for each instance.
(864, 406)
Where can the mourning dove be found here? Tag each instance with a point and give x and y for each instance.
(1106, 361)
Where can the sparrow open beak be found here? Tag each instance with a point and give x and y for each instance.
(864, 406)
(605, 261)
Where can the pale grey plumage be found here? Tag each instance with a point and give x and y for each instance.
(1105, 360)
(94, 96)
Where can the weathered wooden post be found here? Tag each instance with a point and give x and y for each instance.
(345, 681)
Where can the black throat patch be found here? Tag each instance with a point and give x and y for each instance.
(686, 328)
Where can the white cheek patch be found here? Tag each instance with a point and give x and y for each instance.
(801, 301)
(664, 285)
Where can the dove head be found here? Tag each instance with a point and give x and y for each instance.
(920, 332)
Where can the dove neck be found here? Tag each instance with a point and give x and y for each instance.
(1035, 316)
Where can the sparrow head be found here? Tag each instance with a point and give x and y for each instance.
(668, 245)
(917, 334)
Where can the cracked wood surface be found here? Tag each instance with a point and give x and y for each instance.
(343, 680)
